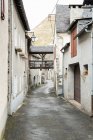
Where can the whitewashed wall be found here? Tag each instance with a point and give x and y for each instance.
(75, 13)
(3, 69)
(19, 64)
(84, 56)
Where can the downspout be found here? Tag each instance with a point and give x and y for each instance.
(92, 59)
(63, 73)
(10, 57)
(92, 53)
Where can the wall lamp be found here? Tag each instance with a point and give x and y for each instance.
(31, 35)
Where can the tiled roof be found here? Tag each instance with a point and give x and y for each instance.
(87, 13)
(62, 18)
(41, 49)
(83, 29)
(22, 14)
(66, 46)
(82, 24)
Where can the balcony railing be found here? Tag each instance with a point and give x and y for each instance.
(47, 64)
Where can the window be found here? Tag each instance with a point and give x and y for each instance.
(2, 9)
(85, 72)
(73, 42)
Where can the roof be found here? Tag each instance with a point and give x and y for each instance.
(74, 22)
(86, 17)
(22, 14)
(88, 2)
(66, 46)
(83, 30)
(87, 13)
(41, 50)
(62, 18)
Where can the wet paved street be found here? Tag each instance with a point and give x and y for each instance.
(43, 116)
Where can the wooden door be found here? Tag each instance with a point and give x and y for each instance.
(77, 95)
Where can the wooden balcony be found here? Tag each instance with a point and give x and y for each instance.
(47, 64)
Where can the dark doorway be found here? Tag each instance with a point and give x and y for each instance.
(77, 95)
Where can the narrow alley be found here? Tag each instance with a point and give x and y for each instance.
(44, 116)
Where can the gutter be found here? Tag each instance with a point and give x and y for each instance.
(74, 23)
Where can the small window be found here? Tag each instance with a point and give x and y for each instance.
(2, 9)
(65, 73)
(85, 70)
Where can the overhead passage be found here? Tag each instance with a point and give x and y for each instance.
(42, 51)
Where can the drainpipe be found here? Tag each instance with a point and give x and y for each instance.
(10, 57)
(63, 73)
(92, 52)
(92, 59)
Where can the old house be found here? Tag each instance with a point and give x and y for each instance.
(61, 38)
(3, 64)
(78, 60)
(44, 33)
(17, 59)
(40, 63)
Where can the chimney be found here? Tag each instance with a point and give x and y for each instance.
(75, 12)
(88, 2)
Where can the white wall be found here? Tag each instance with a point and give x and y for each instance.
(84, 56)
(3, 69)
(19, 64)
(62, 39)
(75, 13)
(37, 74)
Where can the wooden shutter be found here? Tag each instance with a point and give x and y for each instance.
(2, 9)
(73, 42)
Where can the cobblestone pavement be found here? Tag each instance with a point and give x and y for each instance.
(43, 116)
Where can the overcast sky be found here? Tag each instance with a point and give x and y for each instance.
(37, 10)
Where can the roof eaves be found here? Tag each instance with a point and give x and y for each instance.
(83, 30)
(74, 22)
(22, 14)
(66, 46)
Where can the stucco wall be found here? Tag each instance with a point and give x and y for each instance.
(19, 67)
(62, 39)
(3, 69)
(75, 13)
(84, 57)
(37, 74)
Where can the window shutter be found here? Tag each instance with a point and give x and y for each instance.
(2, 9)
(73, 42)
(72, 45)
